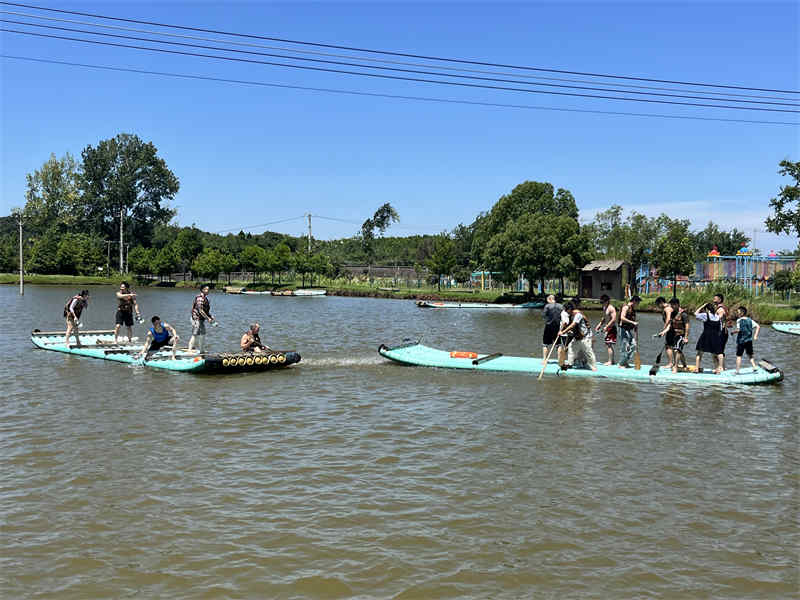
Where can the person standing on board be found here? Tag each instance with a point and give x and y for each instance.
(551, 313)
(747, 333)
(159, 336)
(666, 317)
(581, 345)
(72, 313)
(676, 330)
(628, 328)
(710, 339)
(126, 304)
(201, 312)
(722, 313)
(608, 324)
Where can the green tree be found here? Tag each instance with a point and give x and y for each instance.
(283, 259)
(381, 220)
(320, 265)
(674, 254)
(43, 258)
(208, 264)
(164, 262)
(126, 175)
(443, 260)
(52, 196)
(302, 265)
(252, 259)
(727, 242)
(79, 254)
(140, 260)
(783, 281)
(187, 245)
(228, 264)
(787, 203)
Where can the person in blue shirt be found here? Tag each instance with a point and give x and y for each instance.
(159, 336)
(747, 332)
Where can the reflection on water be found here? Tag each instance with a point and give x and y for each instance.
(348, 476)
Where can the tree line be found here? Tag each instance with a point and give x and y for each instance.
(73, 211)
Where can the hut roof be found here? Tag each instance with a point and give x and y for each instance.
(604, 265)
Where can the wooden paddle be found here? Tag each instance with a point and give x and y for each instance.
(637, 360)
(549, 352)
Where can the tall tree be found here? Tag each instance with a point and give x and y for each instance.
(674, 254)
(125, 176)
(52, 197)
(381, 220)
(787, 203)
(443, 260)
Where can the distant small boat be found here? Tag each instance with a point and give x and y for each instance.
(430, 304)
(255, 293)
(309, 292)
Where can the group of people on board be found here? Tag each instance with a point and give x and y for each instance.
(568, 328)
(161, 334)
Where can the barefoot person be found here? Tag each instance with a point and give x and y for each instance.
(72, 313)
(608, 325)
(676, 333)
(159, 336)
(201, 312)
(710, 340)
(250, 341)
(551, 313)
(126, 304)
(747, 333)
(628, 327)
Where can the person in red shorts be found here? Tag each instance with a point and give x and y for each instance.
(608, 324)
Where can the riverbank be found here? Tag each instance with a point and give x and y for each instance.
(760, 308)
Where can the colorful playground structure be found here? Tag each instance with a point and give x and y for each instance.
(749, 270)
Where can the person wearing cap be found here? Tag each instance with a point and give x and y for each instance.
(251, 342)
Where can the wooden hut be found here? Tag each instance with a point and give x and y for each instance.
(605, 277)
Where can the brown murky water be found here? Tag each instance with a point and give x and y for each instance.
(348, 476)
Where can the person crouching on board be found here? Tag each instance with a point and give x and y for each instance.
(159, 336)
(201, 312)
(72, 313)
(747, 332)
(126, 304)
(251, 342)
(581, 345)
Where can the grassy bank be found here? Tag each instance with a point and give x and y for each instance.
(75, 280)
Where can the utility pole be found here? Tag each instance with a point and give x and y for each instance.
(309, 233)
(121, 247)
(108, 257)
(21, 270)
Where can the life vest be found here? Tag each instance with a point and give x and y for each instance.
(583, 329)
(159, 337)
(78, 307)
(204, 303)
(678, 322)
(631, 316)
(125, 304)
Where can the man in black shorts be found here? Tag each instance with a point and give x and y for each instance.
(126, 304)
(551, 313)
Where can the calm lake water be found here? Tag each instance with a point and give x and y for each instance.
(347, 476)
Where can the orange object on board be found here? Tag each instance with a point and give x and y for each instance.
(463, 354)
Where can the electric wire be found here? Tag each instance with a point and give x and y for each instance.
(392, 53)
(395, 96)
(397, 77)
(394, 69)
(369, 59)
(260, 224)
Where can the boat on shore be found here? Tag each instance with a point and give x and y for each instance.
(100, 344)
(792, 327)
(437, 304)
(414, 353)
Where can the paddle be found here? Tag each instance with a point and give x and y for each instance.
(654, 368)
(549, 352)
(637, 360)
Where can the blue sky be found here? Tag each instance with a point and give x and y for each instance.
(247, 155)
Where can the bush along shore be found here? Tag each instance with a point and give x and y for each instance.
(761, 308)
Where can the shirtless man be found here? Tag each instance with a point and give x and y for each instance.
(609, 326)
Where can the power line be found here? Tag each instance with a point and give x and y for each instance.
(391, 53)
(260, 225)
(395, 96)
(397, 77)
(685, 95)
